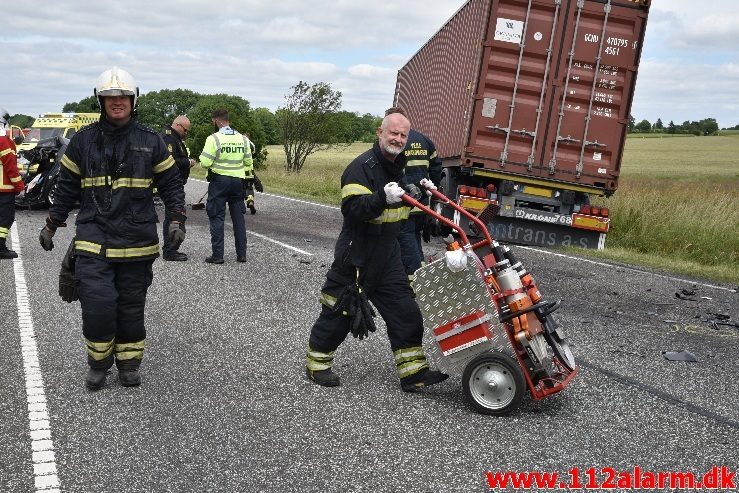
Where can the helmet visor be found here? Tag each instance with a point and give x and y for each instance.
(116, 92)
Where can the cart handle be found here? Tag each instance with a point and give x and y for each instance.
(450, 203)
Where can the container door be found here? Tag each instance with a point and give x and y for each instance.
(592, 88)
(514, 94)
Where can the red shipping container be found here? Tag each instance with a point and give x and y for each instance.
(533, 88)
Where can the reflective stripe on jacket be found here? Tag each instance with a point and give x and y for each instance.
(112, 173)
(9, 176)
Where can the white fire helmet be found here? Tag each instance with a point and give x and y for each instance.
(4, 118)
(116, 82)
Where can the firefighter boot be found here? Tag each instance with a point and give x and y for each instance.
(325, 378)
(95, 379)
(422, 379)
(128, 369)
(4, 252)
(250, 204)
(129, 378)
(318, 368)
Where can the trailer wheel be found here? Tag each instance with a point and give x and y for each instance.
(493, 384)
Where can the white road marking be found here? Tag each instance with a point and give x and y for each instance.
(276, 242)
(284, 245)
(42, 446)
(303, 201)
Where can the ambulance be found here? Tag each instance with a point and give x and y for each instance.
(49, 125)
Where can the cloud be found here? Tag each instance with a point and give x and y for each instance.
(680, 92)
(258, 50)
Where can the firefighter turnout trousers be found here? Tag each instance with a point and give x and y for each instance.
(410, 242)
(387, 288)
(113, 298)
(7, 214)
(224, 190)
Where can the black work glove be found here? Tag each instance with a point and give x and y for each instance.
(68, 285)
(47, 233)
(426, 231)
(368, 317)
(412, 190)
(176, 234)
(258, 184)
(354, 304)
(433, 227)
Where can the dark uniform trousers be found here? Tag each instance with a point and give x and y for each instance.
(387, 288)
(166, 245)
(113, 298)
(224, 190)
(410, 242)
(7, 213)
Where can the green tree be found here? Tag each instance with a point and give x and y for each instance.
(370, 124)
(690, 128)
(708, 126)
(268, 122)
(632, 123)
(359, 128)
(659, 125)
(84, 105)
(23, 121)
(242, 120)
(157, 109)
(310, 122)
(671, 128)
(644, 126)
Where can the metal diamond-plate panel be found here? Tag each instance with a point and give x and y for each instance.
(444, 296)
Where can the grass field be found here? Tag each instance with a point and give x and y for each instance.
(677, 207)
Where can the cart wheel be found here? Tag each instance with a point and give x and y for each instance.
(493, 384)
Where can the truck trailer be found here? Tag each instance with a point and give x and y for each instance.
(528, 104)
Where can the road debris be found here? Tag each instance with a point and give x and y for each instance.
(686, 294)
(683, 355)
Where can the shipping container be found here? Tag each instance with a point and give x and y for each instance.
(529, 100)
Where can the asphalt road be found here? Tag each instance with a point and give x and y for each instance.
(225, 405)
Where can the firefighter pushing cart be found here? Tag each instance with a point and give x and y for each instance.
(489, 320)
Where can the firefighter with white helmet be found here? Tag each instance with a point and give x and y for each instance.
(111, 168)
(11, 184)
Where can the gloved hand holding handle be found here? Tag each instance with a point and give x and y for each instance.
(393, 193)
(428, 185)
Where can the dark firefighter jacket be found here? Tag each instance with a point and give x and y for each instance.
(177, 148)
(422, 162)
(370, 230)
(112, 171)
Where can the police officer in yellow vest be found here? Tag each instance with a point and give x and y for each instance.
(225, 155)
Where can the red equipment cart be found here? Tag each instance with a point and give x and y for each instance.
(489, 320)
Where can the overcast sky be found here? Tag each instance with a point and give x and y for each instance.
(258, 49)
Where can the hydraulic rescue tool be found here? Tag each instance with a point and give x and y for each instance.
(484, 315)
